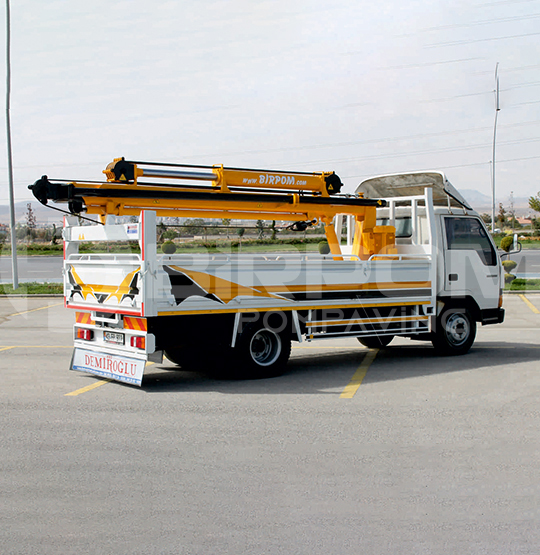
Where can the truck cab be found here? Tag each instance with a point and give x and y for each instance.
(469, 273)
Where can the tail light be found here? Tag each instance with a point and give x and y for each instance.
(138, 342)
(87, 335)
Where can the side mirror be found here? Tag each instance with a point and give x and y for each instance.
(515, 249)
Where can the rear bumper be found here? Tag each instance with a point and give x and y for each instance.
(492, 316)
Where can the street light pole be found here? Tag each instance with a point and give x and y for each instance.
(15, 273)
(497, 109)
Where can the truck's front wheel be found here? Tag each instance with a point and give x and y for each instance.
(455, 331)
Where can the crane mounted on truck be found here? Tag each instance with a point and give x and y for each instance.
(418, 263)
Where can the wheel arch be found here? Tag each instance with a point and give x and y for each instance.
(281, 321)
(467, 302)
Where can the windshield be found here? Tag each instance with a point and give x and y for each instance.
(403, 225)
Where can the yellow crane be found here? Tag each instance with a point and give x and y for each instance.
(194, 191)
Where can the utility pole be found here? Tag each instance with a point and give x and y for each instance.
(14, 270)
(497, 109)
(512, 208)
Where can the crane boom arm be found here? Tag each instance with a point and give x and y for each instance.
(229, 192)
(323, 183)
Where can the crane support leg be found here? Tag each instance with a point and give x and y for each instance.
(333, 243)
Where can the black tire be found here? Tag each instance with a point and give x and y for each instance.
(183, 357)
(455, 331)
(197, 358)
(175, 354)
(260, 353)
(376, 342)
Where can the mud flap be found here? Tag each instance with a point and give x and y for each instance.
(114, 367)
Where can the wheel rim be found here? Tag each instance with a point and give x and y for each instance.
(265, 347)
(458, 329)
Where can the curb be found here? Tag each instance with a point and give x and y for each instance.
(533, 292)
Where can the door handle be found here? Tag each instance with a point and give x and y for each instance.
(453, 277)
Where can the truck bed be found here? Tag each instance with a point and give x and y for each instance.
(181, 284)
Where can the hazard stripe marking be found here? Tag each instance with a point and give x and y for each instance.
(138, 324)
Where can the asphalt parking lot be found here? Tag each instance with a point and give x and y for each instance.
(417, 454)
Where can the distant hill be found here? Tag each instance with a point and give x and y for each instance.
(482, 203)
(43, 214)
(476, 198)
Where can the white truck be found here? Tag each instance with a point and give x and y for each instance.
(416, 262)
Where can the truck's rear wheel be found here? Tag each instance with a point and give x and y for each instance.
(455, 331)
(197, 358)
(376, 342)
(260, 353)
(187, 358)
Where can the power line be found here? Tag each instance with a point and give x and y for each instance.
(429, 64)
(504, 2)
(522, 85)
(384, 140)
(415, 153)
(459, 42)
(525, 103)
(482, 22)
(467, 95)
(368, 141)
(446, 99)
(508, 70)
(455, 166)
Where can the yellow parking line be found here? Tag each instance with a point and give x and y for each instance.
(33, 310)
(6, 348)
(87, 388)
(529, 304)
(94, 385)
(359, 375)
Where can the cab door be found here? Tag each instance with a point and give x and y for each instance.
(472, 265)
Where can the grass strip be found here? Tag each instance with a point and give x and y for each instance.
(32, 288)
(289, 244)
(520, 284)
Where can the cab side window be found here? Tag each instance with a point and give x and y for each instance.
(470, 234)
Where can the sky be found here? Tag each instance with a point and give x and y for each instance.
(360, 88)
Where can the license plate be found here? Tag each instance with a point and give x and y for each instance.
(113, 337)
(112, 367)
